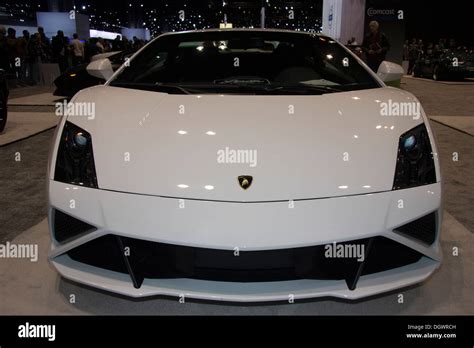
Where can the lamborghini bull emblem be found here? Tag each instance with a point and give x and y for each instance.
(245, 181)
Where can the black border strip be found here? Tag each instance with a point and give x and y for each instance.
(137, 330)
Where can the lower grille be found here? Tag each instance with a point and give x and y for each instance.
(144, 259)
(423, 229)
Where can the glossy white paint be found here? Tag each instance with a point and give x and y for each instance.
(368, 285)
(331, 145)
(248, 226)
(302, 142)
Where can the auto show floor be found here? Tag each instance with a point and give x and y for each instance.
(35, 288)
(442, 98)
(22, 125)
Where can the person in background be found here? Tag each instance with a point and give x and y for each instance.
(430, 49)
(23, 54)
(13, 54)
(60, 50)
(42, 36)
(46, 46)
(442, 44)
(36, 56)
(412, 55)
(91, 48)
(117, 44)
(137, 43)
(375, 46)
(421, 47)
(107, 46)
(4, 63)
(125, 43)
(100, 45)
(406, 48)
(452, 44)
(78, 50)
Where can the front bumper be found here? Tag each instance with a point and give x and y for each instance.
(248, 227)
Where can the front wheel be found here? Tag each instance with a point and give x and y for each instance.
(3, 111)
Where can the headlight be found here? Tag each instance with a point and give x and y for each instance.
(415, 162)
(75, 161)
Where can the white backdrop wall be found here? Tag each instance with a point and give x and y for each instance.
(54, 21)
(344, 19)
(353, 15)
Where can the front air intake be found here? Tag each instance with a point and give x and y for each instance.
(66, 227)
(422, 229)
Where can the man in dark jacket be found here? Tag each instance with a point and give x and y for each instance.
(60, 45)
(4, 55)
(375, 46)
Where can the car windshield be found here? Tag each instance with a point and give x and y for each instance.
(244, 62)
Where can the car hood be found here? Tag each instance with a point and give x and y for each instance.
(294, 147)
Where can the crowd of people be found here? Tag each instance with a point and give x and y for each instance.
(21, 56)
(416, 48)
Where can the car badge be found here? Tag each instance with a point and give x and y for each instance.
(245, 181)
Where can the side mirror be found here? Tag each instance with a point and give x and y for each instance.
(101, 68)
(389, 71)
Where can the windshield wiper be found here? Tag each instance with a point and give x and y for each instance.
(304, 88)
(182, 88)
(242, 80)
(231, 85)
(178, 87)
(156, 87)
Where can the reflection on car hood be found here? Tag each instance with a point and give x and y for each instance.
(294, 147)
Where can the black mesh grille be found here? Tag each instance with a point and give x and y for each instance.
(158, 260)
(423, 229)
(66, 227)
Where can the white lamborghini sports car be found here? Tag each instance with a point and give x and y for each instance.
(245, 165)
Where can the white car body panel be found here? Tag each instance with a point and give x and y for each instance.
(304, 192)
(249, 292)
(219, 225)
(267, 226)
(358, 133)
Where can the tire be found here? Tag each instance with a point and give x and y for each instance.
(3, 111)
